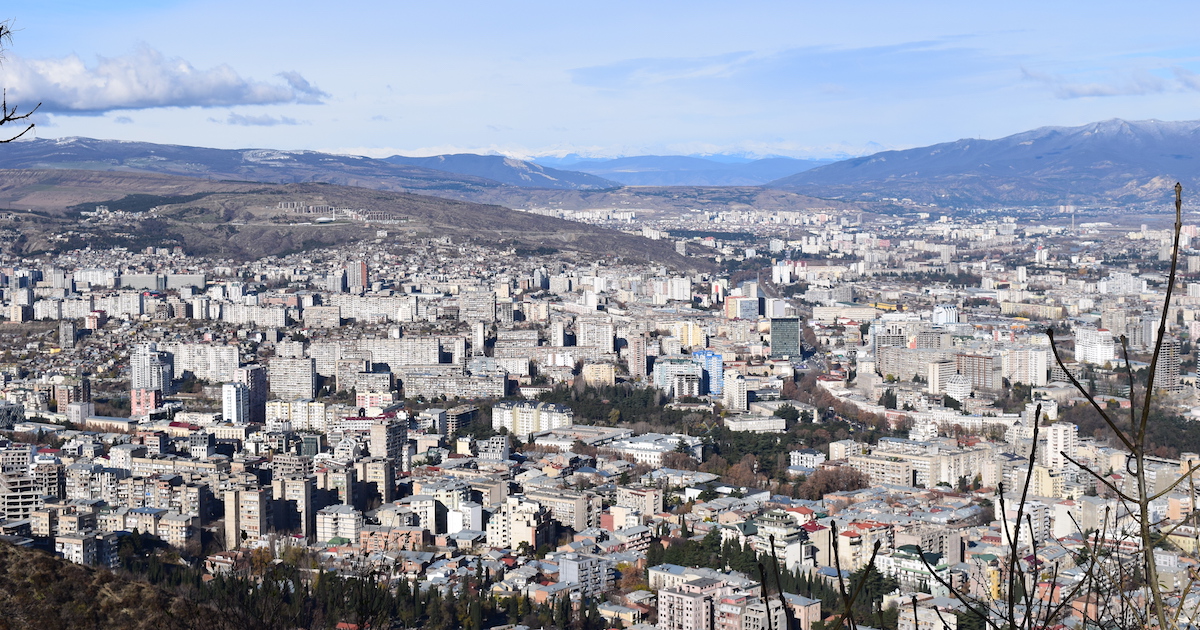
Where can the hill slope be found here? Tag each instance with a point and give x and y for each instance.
(507, 171)
(678, 170)
(263, 165)
(243, 220)
(38, 590)
(1105, 163)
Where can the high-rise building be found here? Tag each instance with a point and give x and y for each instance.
(357, 276)
(247, 513)
(679, 289)
(378, 478)
(210, 362)
(1028, 365)
(68, 333)
(19, 495)
(1166, 371)
(295, 510)
(945, 314)
(292, 378)
(594, 334)
(150, 369)
(143, 401)
(70, 391)
(1061, 438)
(938, 373)
(459, 417)
(635, 356)
(571, 508)
(235, 403)
(254, 377)
(1094, 345)
(981, 370)
(339, 521)
(389, 439)
(785, 337)
(685, 608)
(520, 521)
(335, 282)
(735, 394)
(713, 379)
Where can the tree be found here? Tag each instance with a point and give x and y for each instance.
(826, 480)
(1127, 594)
(788, 413)
(8, 114)
(744, 473)
(678, 461)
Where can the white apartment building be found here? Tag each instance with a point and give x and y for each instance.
(520, 521)
(1094, 345)
(523, 418)
(649, 448)
(205, 361)
(1028, 365)
(235, 403)
(338, 521)
(808, 458)
(150, 369)
(1061, 437)
(591, 573)
(682, 610)
(595, 334)
(735, 393)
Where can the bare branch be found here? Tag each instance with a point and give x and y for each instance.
(1083, 390)
(9, 114)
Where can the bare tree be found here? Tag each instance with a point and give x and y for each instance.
(9, 114)
(1118, 588)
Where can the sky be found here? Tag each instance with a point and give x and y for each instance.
(595, 79)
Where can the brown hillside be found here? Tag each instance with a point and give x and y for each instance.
(40, 591)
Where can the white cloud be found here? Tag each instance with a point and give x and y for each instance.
(1134, 84)
(141, 80)
(265, 120)
(1187, 78)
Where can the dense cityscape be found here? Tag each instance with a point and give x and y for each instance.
(541, 430)
(623, 316)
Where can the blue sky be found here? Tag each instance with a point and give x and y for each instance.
(597, 79)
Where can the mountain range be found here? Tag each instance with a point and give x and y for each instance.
(1114, 162)
(507, 171)
(258, 165)
(679, 170)
(1109, 163)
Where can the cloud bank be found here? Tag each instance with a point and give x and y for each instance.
(1139, 82)
(265, 120)
(142, 80)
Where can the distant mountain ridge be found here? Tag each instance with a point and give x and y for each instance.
(507, 171)
(287, 167)
(1110, 162)
(680, 170)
